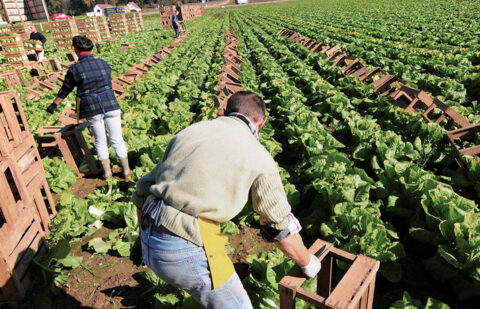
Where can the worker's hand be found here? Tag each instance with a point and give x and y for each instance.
(312, 268)
(294, 248)
(52, 107)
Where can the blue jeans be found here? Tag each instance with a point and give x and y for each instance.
(177, 32)
(184, 265)
(113, 122)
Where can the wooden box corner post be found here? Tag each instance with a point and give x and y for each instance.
(355, 289)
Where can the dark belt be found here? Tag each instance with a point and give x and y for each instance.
(160, 229)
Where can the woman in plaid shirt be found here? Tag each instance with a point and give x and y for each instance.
(98, 104)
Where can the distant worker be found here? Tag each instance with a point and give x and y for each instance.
(37, 36)
(176, 24)
(96, 102)
(204, 178)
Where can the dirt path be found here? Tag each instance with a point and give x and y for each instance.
(112, 281)
(103, 281)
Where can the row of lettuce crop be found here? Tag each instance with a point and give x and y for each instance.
(151, 40)
(356, 171)
(442, 62)
(173, 94)
(404, 191)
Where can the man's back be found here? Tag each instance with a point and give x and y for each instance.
(209, 168)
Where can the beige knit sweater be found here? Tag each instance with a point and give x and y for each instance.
(207, 171)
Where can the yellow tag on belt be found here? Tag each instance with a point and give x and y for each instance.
(221, 267)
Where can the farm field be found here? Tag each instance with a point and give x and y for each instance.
(358, 171)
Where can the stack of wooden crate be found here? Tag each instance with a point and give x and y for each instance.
(119, 24)
(88, 26)
(139, 18)
(24, 29)
(13, 49)
(5, 29)
(133, 25)
(37, 9)
(63, 31)
(105, 34)
(26, 206)
(31, 46)
(191, 11)
(166, 13)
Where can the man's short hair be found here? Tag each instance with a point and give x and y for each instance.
(246, 103)
(82, 43)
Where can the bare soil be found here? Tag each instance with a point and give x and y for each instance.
(85, 186)
(103, 281)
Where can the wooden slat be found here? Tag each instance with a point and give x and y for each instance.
(6, 282)
(371, 292)
(458, 133)
(311, 298)
(342, 255)
(25, 261)
(22, 244)
(472, 151)
(354, 283)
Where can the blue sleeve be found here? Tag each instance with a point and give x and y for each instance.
(68, 85)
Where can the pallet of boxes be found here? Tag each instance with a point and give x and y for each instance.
(26, 206)
(119, 24)
(32, 46)
(88, 26)
(37, 9)
(105, 34)
(24, 29)
(139, 19)
(166, 13)
(191, 11)
(133, 25)
(62, 32)
(13, 49)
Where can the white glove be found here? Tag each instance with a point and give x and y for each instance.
(313, 267)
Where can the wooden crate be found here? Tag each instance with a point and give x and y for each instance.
(355, 289)
(139, 18)
(69, 141)
(119, 24)
(28, 163)
(167, 9)
(191, 11)
(31, 46)
(69, 116)
(10, 79)
(22, 237)
(13, 48)
(23, 29)
(89, 27)
(132, 22)
(103, 29)
(26, 206)
(166, 21)
(13, 123)
(62, 32)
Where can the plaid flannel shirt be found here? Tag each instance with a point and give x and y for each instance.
(91, 76)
